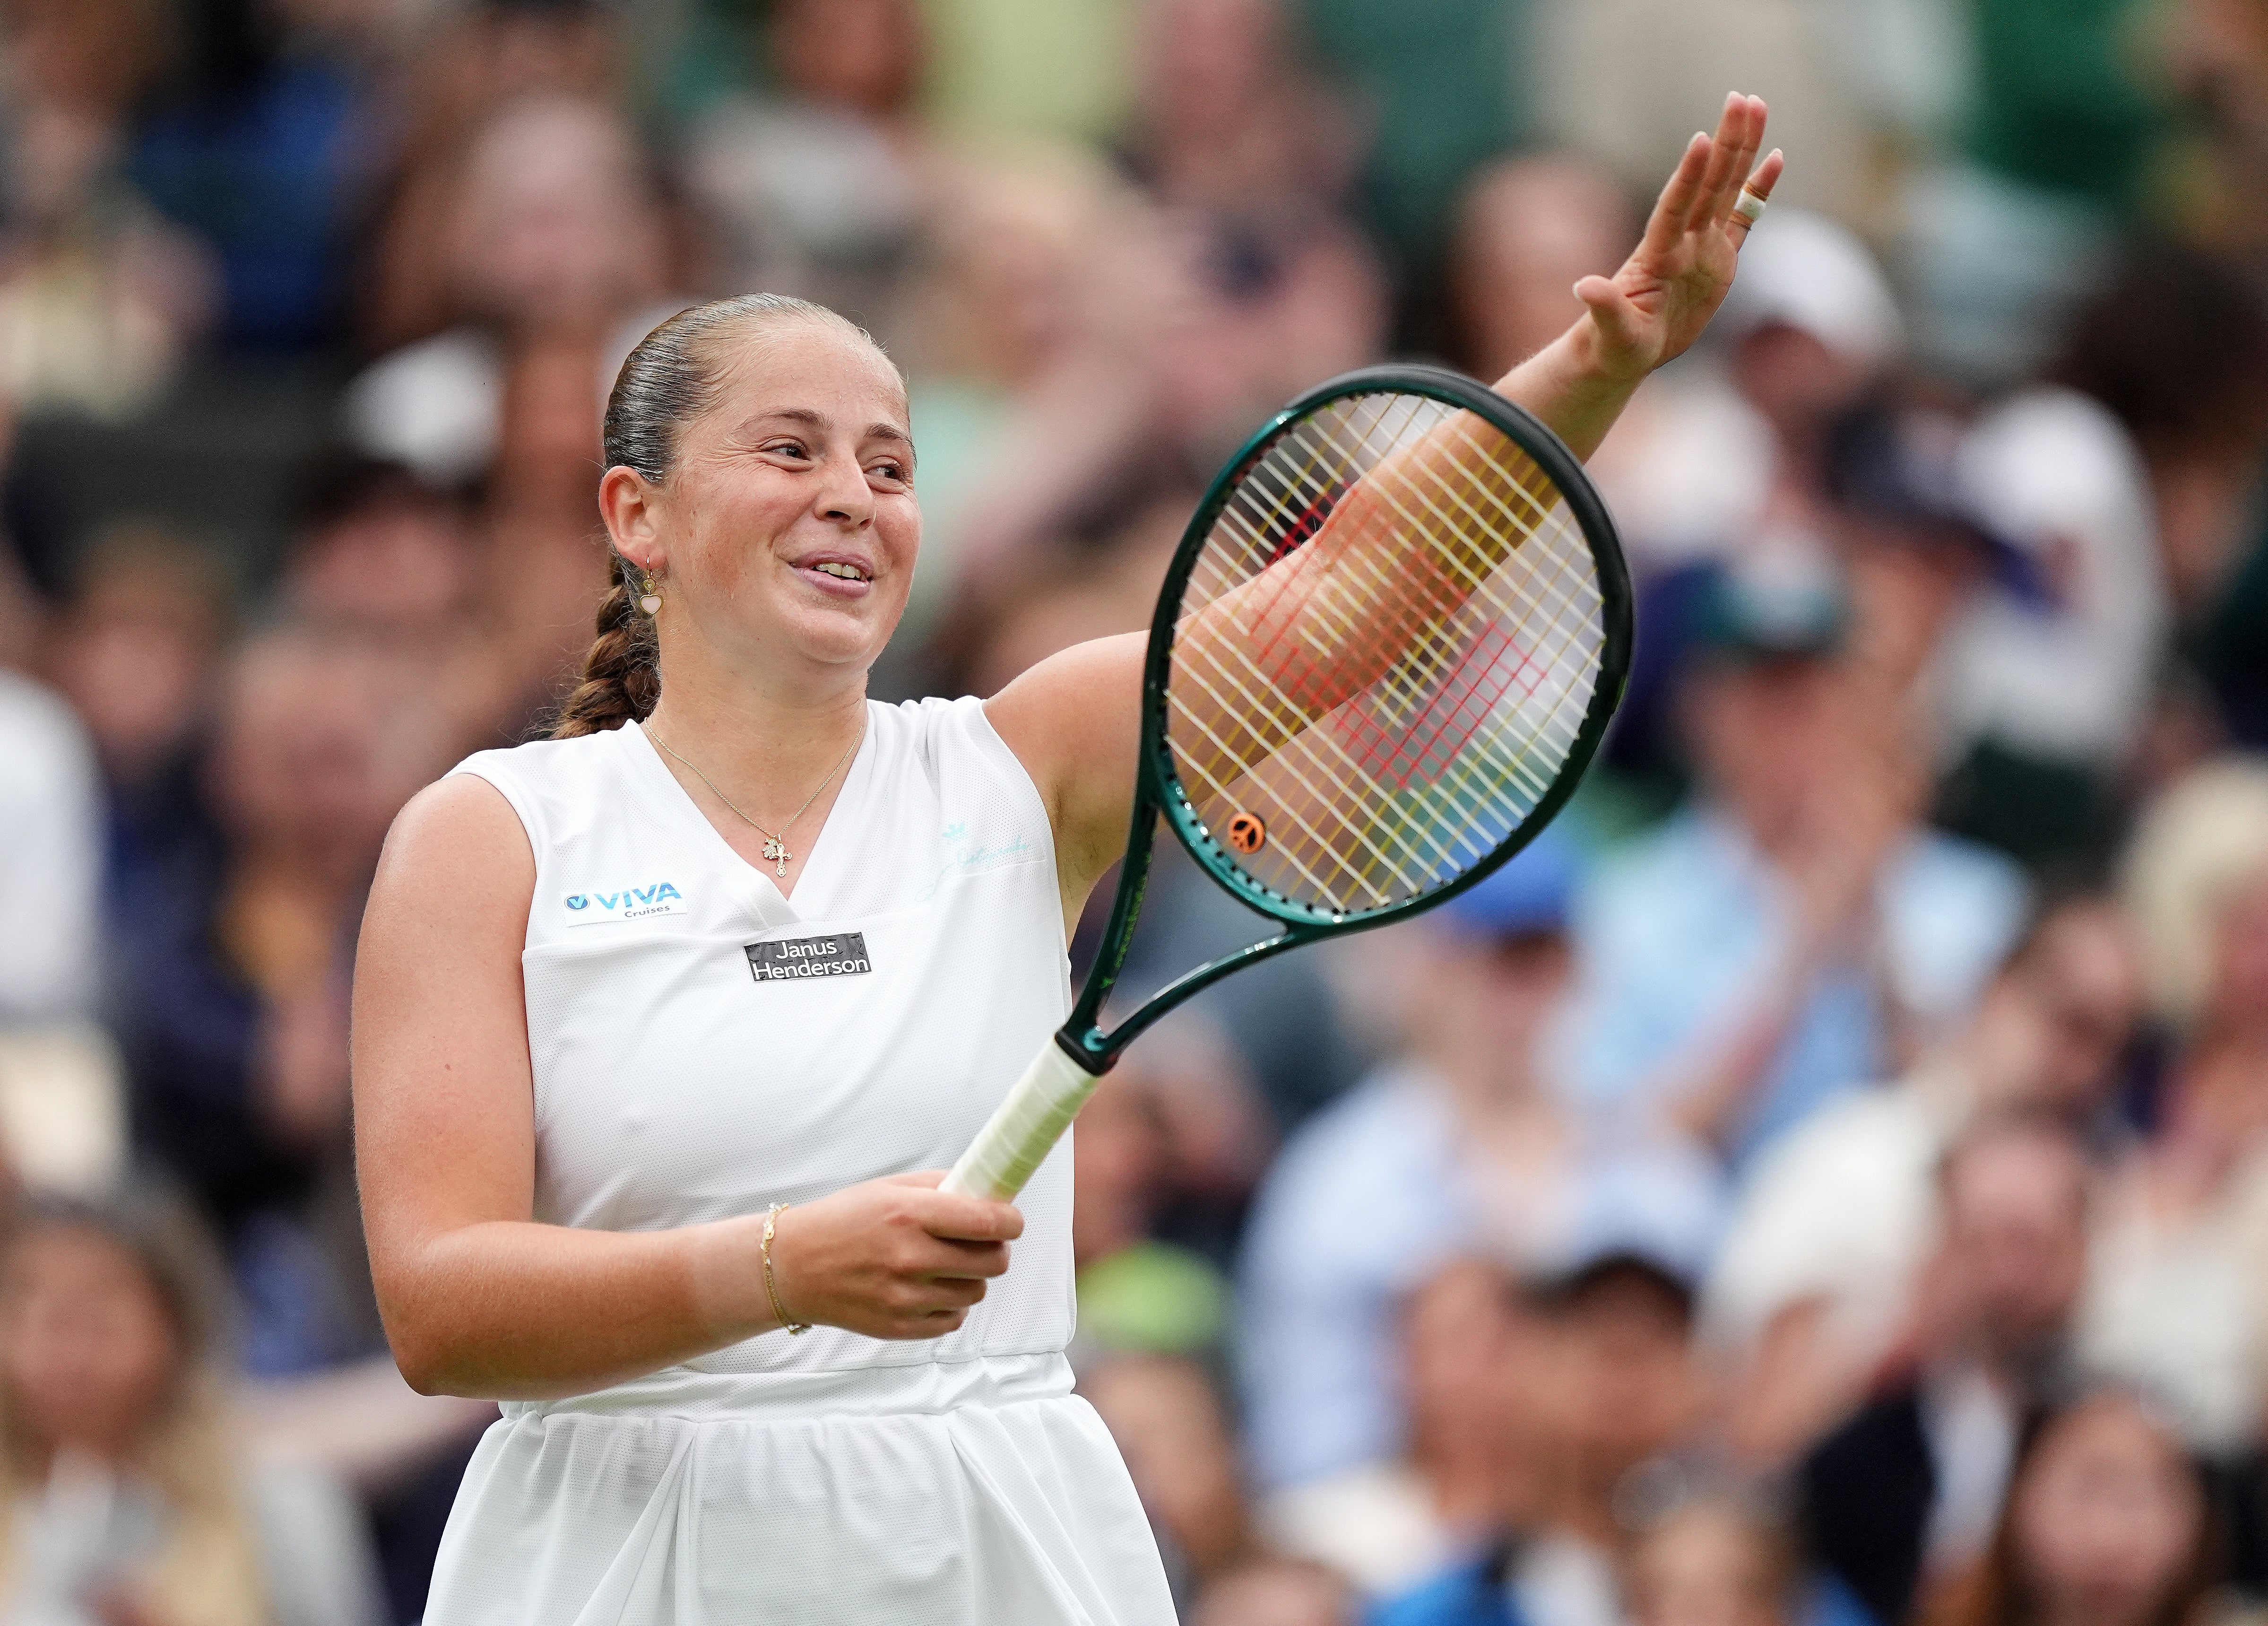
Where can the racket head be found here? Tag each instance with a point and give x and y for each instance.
(1423, 780)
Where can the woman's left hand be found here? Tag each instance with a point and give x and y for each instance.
(1657, 304)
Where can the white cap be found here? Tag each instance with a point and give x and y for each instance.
(1814, 273)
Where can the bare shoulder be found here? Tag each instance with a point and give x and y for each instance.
(1062, 699)
(456, 850)
(1074, 720)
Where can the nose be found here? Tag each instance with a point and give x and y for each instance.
(844, 498)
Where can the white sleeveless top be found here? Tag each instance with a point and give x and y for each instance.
(703, 1047)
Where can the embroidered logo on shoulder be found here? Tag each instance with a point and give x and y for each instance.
(631, 903)
(801, 959)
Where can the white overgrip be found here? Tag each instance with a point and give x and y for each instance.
(1024, 1129)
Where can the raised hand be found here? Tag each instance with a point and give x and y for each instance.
(1657, 304)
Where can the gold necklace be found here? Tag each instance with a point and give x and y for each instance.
(775, 845)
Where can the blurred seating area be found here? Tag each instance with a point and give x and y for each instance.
(1822, 1183)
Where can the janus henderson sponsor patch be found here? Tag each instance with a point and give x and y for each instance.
(801, 959)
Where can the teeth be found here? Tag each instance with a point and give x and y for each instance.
(848, 572)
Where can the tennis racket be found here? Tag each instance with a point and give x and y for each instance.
(1386, 649)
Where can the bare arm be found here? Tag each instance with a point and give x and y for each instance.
(478, 1297)
(1074, 720)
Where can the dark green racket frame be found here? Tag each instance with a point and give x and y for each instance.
(1158, 787)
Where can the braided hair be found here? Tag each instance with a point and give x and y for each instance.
(669, 379)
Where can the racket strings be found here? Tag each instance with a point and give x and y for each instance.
(1388, 649)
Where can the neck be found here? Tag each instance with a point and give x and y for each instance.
(766, 745)
(2061, 1607)
(1487, 1086)
(1463, 1471)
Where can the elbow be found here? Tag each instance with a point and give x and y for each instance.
(424, 1362)
(433, 1357)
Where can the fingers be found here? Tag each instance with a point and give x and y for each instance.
(1761, 181)
(1668, 221)
(1740, 132)
(983, 1259)
(1768, 173)
(961, 1217)
(1611, 308)
(1724, 161)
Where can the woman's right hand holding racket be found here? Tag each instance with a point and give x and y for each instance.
(891, 1258)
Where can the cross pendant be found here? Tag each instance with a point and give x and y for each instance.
(777, 850)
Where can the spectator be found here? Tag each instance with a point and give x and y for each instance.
(1731, 464)
(1710, 1561)
(1908, 1489)
(1251, 156)
(1465, 1144)
(383, 557)
(1811, 332)
(1231, 119)
(1169, 1421)
(461, 67)
(135, 652)
(1470, 1356)
(1624, 1399)
(98, 297)
(50, 859)
(1444, 98)
(1785, 936)
(1100, 350)
(1276, 1592)
(1137, 1292)
(2178, 1298)
(555, 245)
(2176, 348)
(2107, 1524)
(1620, 1395)
(262, 144)
(231, 1017)
(819, 189)
(1529, 230)
(1816, 1276)
(130, 1500)
(2043, 684)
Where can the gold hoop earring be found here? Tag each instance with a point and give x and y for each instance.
(650, 601)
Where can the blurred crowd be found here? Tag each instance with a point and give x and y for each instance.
(1823, 1182)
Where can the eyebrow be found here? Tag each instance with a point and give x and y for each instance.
(819, 422)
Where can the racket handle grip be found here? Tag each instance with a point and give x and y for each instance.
(1024, 1129)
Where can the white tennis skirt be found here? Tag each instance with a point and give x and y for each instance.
(981, 1494)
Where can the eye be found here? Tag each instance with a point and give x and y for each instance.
(787, 448)
(893, 470)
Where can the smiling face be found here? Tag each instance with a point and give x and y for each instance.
(785, 533)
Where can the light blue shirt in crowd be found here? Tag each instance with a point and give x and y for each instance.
(1369, 1199)
(1677, 929)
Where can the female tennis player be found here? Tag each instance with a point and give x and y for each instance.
(658, 1023)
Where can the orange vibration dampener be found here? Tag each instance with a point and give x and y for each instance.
(1246, 832)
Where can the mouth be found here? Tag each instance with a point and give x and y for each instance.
(837, 575)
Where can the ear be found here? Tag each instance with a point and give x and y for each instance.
(630, 504)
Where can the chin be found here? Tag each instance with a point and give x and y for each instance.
(840, 641)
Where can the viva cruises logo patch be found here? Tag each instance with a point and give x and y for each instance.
(631, 903)
(802, 959)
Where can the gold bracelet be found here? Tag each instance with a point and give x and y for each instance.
(771, 1288)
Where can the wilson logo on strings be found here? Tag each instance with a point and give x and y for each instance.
(632, 903)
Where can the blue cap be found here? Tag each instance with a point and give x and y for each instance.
(1532, 893)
